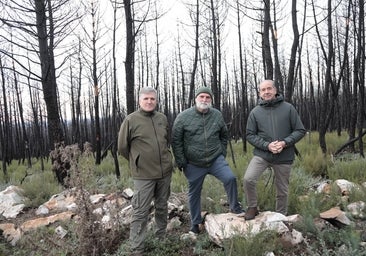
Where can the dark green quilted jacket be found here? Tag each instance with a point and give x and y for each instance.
(199, 138)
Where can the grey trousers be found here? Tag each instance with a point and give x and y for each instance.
(255, 169)
(145, 192)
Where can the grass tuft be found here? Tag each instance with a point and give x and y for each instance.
(87, 237)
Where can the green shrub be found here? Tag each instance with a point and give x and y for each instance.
(39, 185)
(353, 170)
(179, 182)
(39, 188)
(213, 196)
(259, 244)
(357, 194)
(334, 142)
(301, 183)
(315, 163)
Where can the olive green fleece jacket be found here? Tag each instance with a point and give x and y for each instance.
(199, 138)
(274, 120)
(143, 141)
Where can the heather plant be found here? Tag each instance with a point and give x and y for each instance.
(315, 163)
(204, 246)
(259, 244)
(330, 241)
(30, 243)
(353, 170)
(300, 186)
(313, 167)
(18, 172)
(179, 182)
(39, 187)
(358, 194)
(213, 196)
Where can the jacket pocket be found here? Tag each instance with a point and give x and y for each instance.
(137, 161)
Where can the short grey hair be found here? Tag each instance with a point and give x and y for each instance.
(145, 90)
(268, 81)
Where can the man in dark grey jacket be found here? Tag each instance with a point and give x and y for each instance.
(273, 128)
(143, 141)
(199, 142)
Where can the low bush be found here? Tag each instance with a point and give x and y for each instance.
(310, 167)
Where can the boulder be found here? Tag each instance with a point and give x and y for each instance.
(227, 225)
(11, 202)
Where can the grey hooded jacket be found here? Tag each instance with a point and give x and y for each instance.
(274, 120)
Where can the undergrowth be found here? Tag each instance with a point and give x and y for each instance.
(87, 236)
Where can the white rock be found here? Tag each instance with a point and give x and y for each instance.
(96, 198)
(61, 232)
(72, 207)
(11, 202)
(269, 254)
(190, 236)
(345, 186)
(224, 226)
(128, 193)
(98, 211)
(356, 208)
(42, 210)
(293, 237)
(12, 213)
(174, 223)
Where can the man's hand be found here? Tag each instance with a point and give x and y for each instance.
(276, 146)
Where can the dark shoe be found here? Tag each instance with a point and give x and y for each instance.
(251, 213)
(195, 229)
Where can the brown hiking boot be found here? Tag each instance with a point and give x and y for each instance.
(251, 213)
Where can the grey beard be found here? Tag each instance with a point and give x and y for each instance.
(203, 105)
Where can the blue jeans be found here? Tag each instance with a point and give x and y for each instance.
(196, 176)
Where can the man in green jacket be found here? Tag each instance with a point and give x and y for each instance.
(273, 128)
(199, 142)
(143, 141)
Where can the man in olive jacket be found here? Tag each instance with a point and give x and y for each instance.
(199, 143)
(273, 128)
(143, 141)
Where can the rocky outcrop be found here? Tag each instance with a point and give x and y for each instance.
(219, 227)
(224, 226)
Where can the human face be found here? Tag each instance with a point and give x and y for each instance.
(203, 102)
(147, 102)
(267, 90)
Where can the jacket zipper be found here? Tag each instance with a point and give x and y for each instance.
(157, 142)
(205, 135)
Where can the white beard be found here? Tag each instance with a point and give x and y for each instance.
(203, 105)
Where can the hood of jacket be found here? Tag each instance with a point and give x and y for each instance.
(273, 120)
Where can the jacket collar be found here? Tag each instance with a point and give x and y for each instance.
(145, 113)
(270, 103)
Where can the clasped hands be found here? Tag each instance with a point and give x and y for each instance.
(276, 146)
